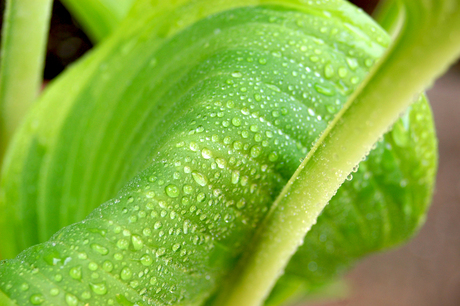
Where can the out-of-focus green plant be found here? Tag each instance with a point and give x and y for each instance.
(215, 133)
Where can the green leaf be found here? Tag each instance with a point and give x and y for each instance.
(99, 17)
(207, 121)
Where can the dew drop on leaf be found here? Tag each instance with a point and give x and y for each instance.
(199, 178)
(146, 260)
(71, 299)
(75, 272)
(137, 242)
(172, 191)
(36, 299)
(99, 288)
(125, 273)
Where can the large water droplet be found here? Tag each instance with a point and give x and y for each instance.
(99, 288)
(194, 146)
(235, 176)
(160, 252)
(99, 249)
(241, 203)
(172, 191)
(199, 178)
(328, 71)
(322, 89)
(236, 121)
(273, 87)
(206, 153)
(176, 247)
(146, 260)
(75, 272)
(126, 273)
(71, 299)
(352, 63)
(255, 151)
(122, 244)
(137, 242)
(36, 299)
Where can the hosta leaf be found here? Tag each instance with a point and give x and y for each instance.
(207, 121)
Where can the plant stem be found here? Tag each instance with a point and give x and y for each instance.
(24, 38)
(406, 70)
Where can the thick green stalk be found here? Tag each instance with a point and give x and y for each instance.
(408, 68)
(25, 33)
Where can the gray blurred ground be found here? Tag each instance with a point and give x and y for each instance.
(426, 271)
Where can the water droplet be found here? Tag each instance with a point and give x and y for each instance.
(54, 291)
(71, 299)
(118, 256)
(206, 153)
(122, 244)
(137, 242)
(237, 74)
(273, 87)
(24, 286)
(92, 266)
(257, 97)
(187, 189)
(146, 260)
(99, 288)
(235, 176)
(331, 109)
(126, 273)
(123, 301)
(160, 252)
(199, 178)
(273, 156)
(236, 121)
(328, 71)
(342, 72)
(36, 299)
(312, 266)
(220, 163)
(241, 203)
(352, 63)
(176, 247)
(255, 151)
(200, 197)
(194, 146)
(322, 89)
(262, 61)
(172, 191)
(237, 145)
(254, 128)
(75, 272)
